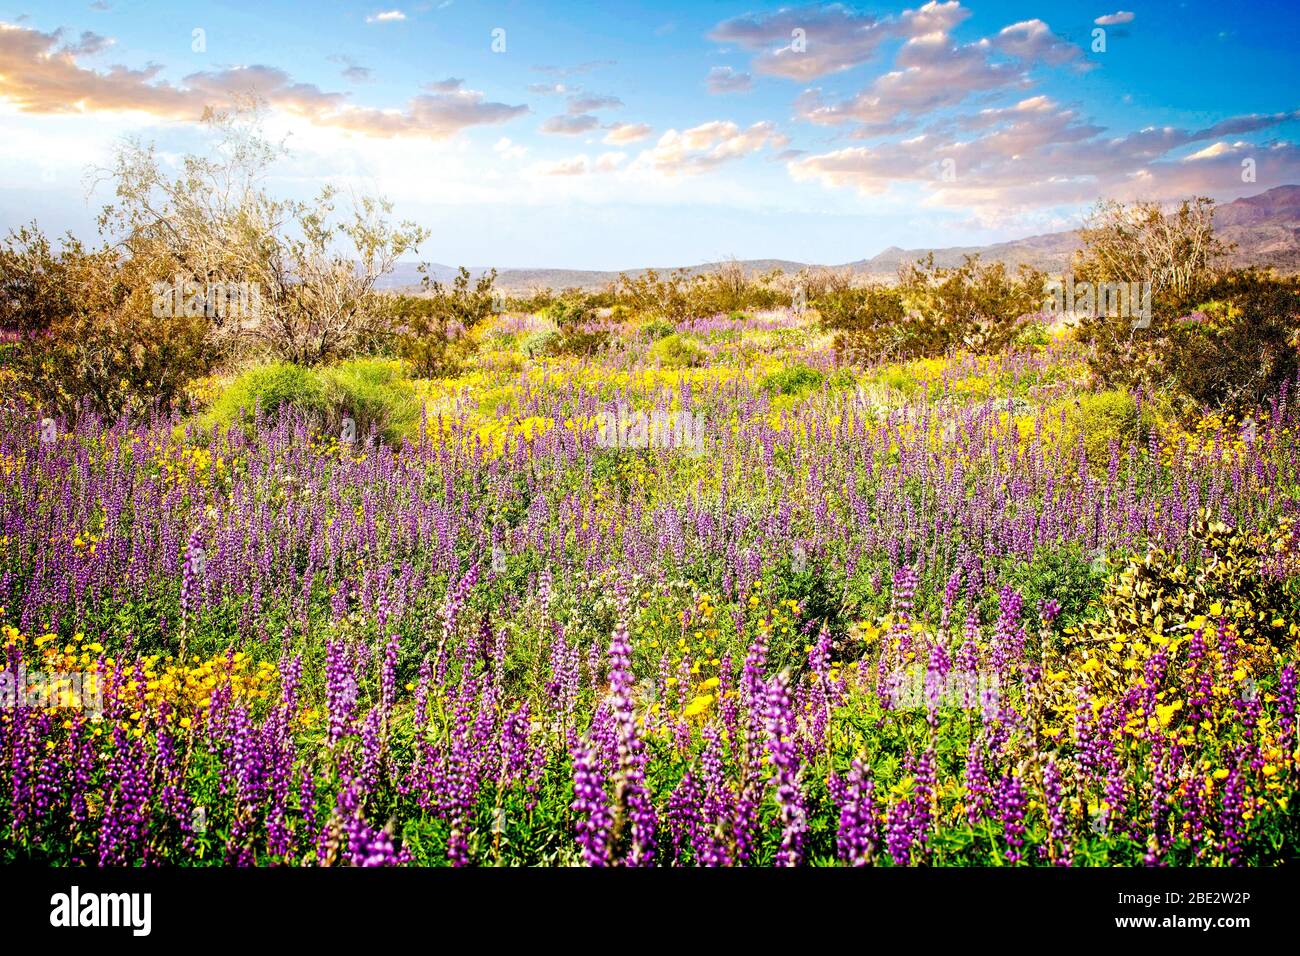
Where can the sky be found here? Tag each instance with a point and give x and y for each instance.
(618, 135)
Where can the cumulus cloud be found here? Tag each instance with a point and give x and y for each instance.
(803, 43)
(88, 44)
(1034, 42)
(386, 16)
(570, 125)
(576, 166)
(450, 85)
(1116, 18)
(581, 165)
(930, 72)
(623, 134)
(723, 79)
(709, 145)
(548, 89)
(1037, 153)
(38, 75)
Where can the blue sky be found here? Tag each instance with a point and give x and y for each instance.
(597, 135)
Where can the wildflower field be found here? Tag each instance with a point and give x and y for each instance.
(947, 612)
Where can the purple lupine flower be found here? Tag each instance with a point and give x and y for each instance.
(631, 795)
(858, 831)
(340, 689)
(684, 816)
(1058, 828)
(591, 807)
(785, 778)
(1011, 805)
(1232, 816)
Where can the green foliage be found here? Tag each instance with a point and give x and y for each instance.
(678, 351)
(374, 393)
(657, 329)
(1237, 350)
(1066, 575)
(86, 330)
(265, 388)
(866, 321)
(430, 329)
(792, 380)
(1101, 418)
(975, 306)
(573, 308)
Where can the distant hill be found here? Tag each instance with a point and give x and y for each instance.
(1265, 229)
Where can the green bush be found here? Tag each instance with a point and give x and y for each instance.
(792, 380)
(539, 343)
(866, 321)
(1237, 350)
(429, 328)
(677, 351)
(266, 388)
(572, 309)
(657, 329)
(372, 392)
(86, 330)
(1100, 418)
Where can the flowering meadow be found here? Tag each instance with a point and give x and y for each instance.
(946, 612)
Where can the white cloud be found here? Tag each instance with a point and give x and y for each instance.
(623, 134)
(707, 146)
(723, 79)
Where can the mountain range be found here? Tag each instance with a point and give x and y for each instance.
(1265, 229)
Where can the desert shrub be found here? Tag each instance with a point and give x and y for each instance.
(85, 331)
(265, 388)
(649, 294)
(657, 329)
(1176, 252)
(315, 266)
(818, 284)
(975, 306)
(539, 343)
(1231, 352)
(1101, 418)
(429, 330)
(532, 302)
(1239, 348)
(678, 351)
(573, 308)
(580, 338)
(1161, 597)
(1217, 339)
(865, 321)
(373, 392)
(792, 380)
